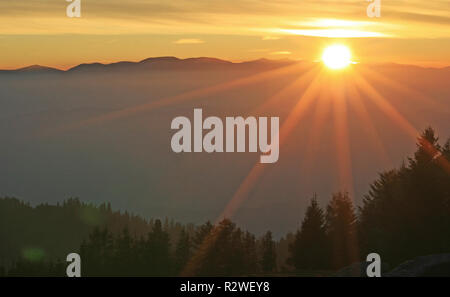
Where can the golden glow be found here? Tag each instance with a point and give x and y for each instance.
(336, 56)
(134, 30)
(332, 33)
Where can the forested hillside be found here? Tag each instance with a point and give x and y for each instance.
(406, 214)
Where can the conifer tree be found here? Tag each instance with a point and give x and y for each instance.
(268, 253)
(309, 248)
(341, 230)
(182, 251)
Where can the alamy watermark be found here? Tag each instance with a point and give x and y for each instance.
(74, 268)
(374, 268)
(218, 140)
(374, 9)
(73, 10)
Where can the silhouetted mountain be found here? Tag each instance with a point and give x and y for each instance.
(156, 64)
(176, 64)
(33, 69)
(191, 64)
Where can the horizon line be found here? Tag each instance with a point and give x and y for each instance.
(204, 57)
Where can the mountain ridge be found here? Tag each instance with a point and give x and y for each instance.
(174, 63)
(152, 63)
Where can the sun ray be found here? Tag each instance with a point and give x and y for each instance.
(321, 113)
(342, 135)
(364, 117)
(338, 88)
(385, 106)
(399, 119)
(256, 172)
(290, 90)
(186, 96)
(258, 169)
(410, 92)
(300, 108)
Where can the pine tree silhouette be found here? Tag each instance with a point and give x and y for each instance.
(309, 249)
(268, 254)
(342, 231)
(182, 251)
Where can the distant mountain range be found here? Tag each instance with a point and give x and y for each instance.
(173, 63)
(157, 64)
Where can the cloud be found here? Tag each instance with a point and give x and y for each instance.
(333, 33)
(405, 19)
(281, 53)
(189, 41)
(271, 38)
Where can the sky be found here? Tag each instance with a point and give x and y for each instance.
(39, 31)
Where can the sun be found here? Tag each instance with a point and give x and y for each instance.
(336, 56)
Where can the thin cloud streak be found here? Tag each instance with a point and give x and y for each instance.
(189, 41)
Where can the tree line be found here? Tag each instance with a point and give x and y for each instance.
(405, 214)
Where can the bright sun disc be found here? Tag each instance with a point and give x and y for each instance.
(336, 56)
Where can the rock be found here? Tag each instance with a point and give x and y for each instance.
(431, 265)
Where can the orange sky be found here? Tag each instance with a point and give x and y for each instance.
(39, 32)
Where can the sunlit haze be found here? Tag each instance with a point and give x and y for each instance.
(408, 32)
